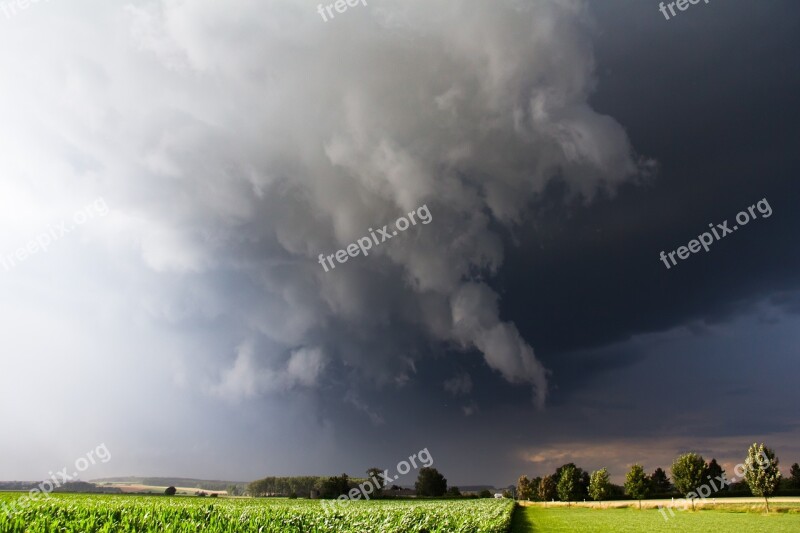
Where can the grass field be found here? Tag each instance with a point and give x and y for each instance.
(74, 513)
(628, 520)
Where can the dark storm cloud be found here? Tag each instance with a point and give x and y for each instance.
(712, 96)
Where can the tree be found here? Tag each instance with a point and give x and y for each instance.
(688, 473)
(524, 489)
(170, 491)
(374, 473)
(430, 482)
(233, 490)
(547, 488)
(583, 483)
(335, 486)
(794, 480)
(637, 484)
(763, 479)
(713, 470)
(485, 493)
(581, 480)
(599, 485)
(568, 484)
(535, 482)
(659, 482)
(454, 492)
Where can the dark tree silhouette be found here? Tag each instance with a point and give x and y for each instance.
(713, 471)
(794, 476)
(659, 482)
(430, 482)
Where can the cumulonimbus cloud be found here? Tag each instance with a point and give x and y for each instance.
(259, 136)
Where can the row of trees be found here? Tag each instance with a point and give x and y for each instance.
(689, 472)
(429, 483)
(284, 486)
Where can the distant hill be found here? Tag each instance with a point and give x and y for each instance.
(205, 484)
(18, 485)
(70, 486)
(476, 488)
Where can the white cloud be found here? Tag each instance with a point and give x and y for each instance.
(305, 366)
(250, 376)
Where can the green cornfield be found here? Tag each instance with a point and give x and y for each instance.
(73, 513)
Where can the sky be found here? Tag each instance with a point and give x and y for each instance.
(172, 170)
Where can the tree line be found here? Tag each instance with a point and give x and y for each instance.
(690, 471)
(430, 483)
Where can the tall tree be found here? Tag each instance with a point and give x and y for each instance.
(659, 482)
(688, 473)
(713, 471)
(637, 484)
(583, 483)
(430, 482)
(761, 471)
(794, 480)
(599, 485)
(524, 490)
(535, 483)
(547, 488)
(568, 484)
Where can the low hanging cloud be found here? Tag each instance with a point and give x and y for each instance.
(239, 140)
(248, 377)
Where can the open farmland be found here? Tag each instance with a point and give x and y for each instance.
(575, 519)
(107, 513)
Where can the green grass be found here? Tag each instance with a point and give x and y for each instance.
(74, 513)
(586, 520)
